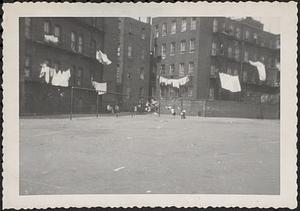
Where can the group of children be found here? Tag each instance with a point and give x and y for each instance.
(182, 113)
(113, 109)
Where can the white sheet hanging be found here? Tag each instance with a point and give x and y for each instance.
(261, 69)
(229, 82)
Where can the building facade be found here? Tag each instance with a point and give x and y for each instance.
(200, 47)
(134, 62)
(78, 39)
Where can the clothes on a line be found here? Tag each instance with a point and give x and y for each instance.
(102, 58)
(51, 38)
(55, 77)
(101, 88)
(230, 82)
(260, 68)
(174, 82)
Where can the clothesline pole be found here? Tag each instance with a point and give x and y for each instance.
(71, 103)
(97, 104)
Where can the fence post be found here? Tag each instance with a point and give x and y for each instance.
(97, 104)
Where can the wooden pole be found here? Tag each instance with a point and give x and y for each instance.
(71, 104)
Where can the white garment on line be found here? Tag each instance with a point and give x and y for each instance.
(261, 69)
(101, 88)
(51, 38)
(173, 82)
(229, 82)
(102, 58)
(65, 76)
(57, 78)
(45, 71)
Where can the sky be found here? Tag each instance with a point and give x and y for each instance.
(271, 24)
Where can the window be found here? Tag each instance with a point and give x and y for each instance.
(143, 54)
(182, 46)
(119, 50)
(80, 44)
(255, 37)
(247, 35)
(142, 73)
(27, 27)
(141, 92)
(163, 50)
(215, 25)
(237, 54)
(181, 69)
(229, 52)
(212, 70)
(190, 92)
(191, 67)
(57, 32)
(277, 44)
(246, 56)
(229, 71)
(156, 31)
(78, 77)
(162, 69)
(183, 25)
(128, 92)
(143, 36)
(129, 51)
(172, 48)
(192, 45)
(164, 29)
(27, 67)
(73, 41)
(46, 27)
(214, 49)
(238, 33)
(193, 24)
(231, 29)
(172, 69)
(173, 27)
(245, 76)
(211, 94)
(235, 72)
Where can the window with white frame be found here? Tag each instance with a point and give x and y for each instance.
(172, 69)
(183, 25)
(156, 31)
(47, 29)
(142, 73)
(163, 69)
(173, 27)
(192, 45)
(57, 32)
(193, 24)
(191, 67)
(172, 48)
(237, 54)
(164, 29)
(182, 46)
(129, 53)
(215, 25)
(73, 41)
(80, 44)
(214, 48)
(163, 50)
(181, 69)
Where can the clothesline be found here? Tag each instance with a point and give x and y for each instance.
(173, 82)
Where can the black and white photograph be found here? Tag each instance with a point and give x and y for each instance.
(149, 104)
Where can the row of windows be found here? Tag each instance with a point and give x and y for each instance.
(168, 91)
(141, 92)
(234, 52)
(183, 47)
(76, 39)
(173, 27)
(182, 70)
(130, 52)
(247, 35)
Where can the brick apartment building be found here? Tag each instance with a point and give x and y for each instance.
(200, 47)
(133, 61)
(78, 40)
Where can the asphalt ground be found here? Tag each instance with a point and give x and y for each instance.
(147, 154)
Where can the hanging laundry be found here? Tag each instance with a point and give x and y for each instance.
(57, 78)
(173, 82)
(45, 71)
(65, 76)
(51, 38)
(101, 88)
(102, 58)
(261, 69)
(230, 82)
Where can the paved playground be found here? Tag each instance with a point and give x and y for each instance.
(147, 154)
